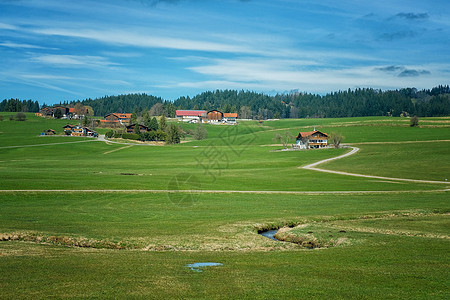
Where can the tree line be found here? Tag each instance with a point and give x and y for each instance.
(359, 102)
(251, 105)
(16, 105)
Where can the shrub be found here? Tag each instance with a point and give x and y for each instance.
(117, 135)
(109, 134)
(200, 133)
(414, 121)
(161, 135)
(20, 116)
(157, 135)
(1, 118)
(130, 136)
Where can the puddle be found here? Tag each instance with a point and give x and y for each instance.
(269, 234)
(197, 266)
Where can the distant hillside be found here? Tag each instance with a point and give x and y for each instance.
(251, 105)
(350, 103)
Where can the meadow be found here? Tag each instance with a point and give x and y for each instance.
(125, 220)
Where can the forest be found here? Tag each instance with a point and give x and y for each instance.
(16, 105)
(359, 102)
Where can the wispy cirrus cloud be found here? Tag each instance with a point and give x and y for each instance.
(128, 38)
(73, 60)
(9, 44)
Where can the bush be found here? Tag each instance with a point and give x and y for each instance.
(200, 133)
(109, 134)
(414, 121)
(117, 135)
(157, 135)
(1, 118)
(20, 116)
(130, 136)
(67, 132)
(11, 118)
(161, 135)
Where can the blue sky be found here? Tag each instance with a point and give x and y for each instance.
(53, 50)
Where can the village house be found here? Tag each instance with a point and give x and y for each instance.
(117, 118)
(216, 116)
(76, 130)
(190, 115)
(312, 139)
(213, 116)
(130, 128)
(229, 118)
(66, 112)
(48, 132)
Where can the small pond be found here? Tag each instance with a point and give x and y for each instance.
(197, 266)
(269, 234)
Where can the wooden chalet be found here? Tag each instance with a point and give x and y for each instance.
(312, 139)
(214, 116)
(49, 132)
(76, 130)
(142, 128)
(117, 118)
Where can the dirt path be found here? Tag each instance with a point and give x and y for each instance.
(353, 151)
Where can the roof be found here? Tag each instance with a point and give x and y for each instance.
(215, 110)
(230, 115)
(133, 125)
(190, 113)
(120, 115)
(71, 109)
(310, 133)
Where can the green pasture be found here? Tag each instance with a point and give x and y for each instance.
(393, 236)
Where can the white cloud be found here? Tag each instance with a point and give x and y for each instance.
(73, 60)
(287, 75)
(144, 40)
(8, 26)
(24, 46)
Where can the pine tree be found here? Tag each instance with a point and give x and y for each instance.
(163, 123)
(153, 124)
(173, 135)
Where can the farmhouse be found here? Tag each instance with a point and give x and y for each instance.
(48, 132)
(216, 116)
(142, 128)
(190, 115)
(66, 112)
(117, 118)
(312, 139)
(76, 130)
(213, 116)
(229, 118)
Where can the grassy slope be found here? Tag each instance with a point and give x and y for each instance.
(375, 265)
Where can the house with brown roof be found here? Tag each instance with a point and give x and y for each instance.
(312, 139)
(142, 128)
(76, 130)
(216, 116)
(117, 118)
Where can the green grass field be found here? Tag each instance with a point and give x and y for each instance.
(380, 238)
